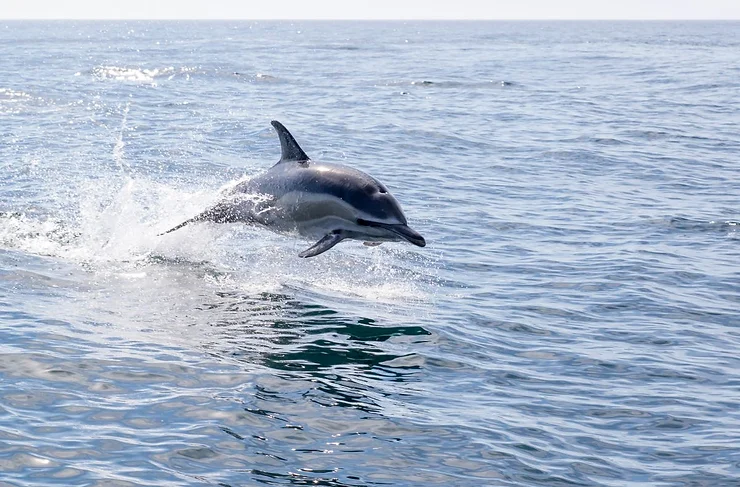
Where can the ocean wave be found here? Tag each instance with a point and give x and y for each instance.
(10, 95)
(140, 75)
(14, 101)
(425, 83)
(150, 76)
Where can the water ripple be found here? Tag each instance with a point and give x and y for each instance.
(573, 320)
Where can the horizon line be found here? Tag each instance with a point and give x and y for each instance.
(350, 19)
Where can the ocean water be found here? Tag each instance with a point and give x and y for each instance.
(574, 319)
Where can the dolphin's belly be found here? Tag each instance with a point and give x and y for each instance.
(314, 215)
(303, 209)
(319, 227)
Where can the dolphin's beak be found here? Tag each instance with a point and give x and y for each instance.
(400, 229)
(408, 233)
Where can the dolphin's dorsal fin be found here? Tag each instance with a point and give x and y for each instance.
(291, 151)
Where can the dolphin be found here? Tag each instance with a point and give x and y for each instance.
(329, 202)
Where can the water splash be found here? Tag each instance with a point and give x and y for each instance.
(118, 155)
(116, 232)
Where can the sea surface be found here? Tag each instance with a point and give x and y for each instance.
(573, 321)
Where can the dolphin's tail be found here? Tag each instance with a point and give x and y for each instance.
(220, 213)
(186, 222)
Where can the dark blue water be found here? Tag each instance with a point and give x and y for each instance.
(574, 320)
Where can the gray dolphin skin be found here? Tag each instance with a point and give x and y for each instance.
(329, 202)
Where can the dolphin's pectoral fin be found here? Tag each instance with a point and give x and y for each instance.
(372, 244)
(328, 241)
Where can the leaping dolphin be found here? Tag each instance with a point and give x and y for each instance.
(317, 199)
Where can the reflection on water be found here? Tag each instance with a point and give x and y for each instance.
(309, 342)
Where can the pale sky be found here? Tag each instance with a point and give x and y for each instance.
(370, 9)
